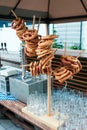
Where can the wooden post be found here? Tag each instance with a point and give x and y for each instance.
(80, 53)
(49, 95)
(48, 87)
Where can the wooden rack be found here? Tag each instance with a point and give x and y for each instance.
(78, 82)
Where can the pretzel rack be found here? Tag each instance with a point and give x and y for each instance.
(48, 119)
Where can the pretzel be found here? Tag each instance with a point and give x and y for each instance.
(62, 74)
(45, 54)
(21, 38)
(37, 68)
(31, 70)
(72, 62)
(21, 31)
(16, 23)
(44, 43)
(36, 39)
(34, 68)
(59, 72)
(43, 51)
(30, 34)
(29, 54)
(24, 33)
(40, 66)
(19, 25)
(80, 66)
(30, 49)
(48, 37)
(46, 60)
(31, 46)
(68, 76)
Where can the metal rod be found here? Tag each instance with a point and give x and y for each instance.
(39, 23)
(14, 14)
(33, 22)
(14, 8)
(23, 62)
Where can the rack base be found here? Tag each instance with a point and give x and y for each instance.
(49, 121)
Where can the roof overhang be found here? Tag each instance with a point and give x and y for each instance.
(52, 11)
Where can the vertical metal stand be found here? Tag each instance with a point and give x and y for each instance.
(23, 62)
(0, 60)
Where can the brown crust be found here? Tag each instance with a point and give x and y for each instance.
(62, 75)
(37, 68)
(45, 54)
(16, 23)
(72, 62)
(30, 34)
(46, 60)
(66, 77)
(64, 61)
(21, 25)
(31, 70)
(48, 37)
(80, 66)
(28, 53)
(44, 43)
(20, 32)
(60, 72)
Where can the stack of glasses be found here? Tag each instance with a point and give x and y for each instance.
(64, 102)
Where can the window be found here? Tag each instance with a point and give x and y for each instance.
(8, 35)
(74, 34)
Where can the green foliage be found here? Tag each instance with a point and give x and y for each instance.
(54, 31)
(55, 45)
(75, 47)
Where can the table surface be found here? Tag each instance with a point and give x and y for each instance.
(17, 106)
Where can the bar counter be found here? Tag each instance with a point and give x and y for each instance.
(10, 58)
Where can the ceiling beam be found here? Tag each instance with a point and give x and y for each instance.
(10, 18)
(14, 8)
(84, 6)
(68, 18)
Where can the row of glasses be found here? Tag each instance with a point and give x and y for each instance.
(67, 105)
(36, 103)
(73, 105)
